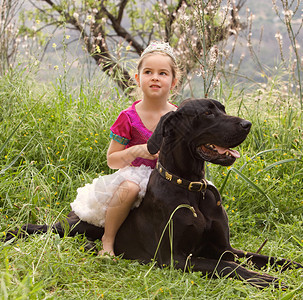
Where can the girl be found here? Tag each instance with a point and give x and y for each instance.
(108, 200)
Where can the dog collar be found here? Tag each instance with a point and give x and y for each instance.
(193, 186)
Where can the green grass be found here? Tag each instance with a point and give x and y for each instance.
(55, 142)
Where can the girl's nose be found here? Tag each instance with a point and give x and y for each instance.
(155, 77)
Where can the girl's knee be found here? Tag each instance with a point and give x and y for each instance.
(130, 187)
(126, 193)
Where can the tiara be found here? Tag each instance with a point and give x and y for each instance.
(161, 47)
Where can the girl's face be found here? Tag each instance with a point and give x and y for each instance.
(155, 76)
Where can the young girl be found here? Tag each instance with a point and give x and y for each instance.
(108, 200)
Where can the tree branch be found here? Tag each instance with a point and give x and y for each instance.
(123, 4)
(121, 31)
(106, 29)
(172, 18)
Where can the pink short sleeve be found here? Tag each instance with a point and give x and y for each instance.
(121, 129)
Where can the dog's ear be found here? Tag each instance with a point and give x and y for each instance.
(155, 141)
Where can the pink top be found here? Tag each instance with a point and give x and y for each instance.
(129, 130)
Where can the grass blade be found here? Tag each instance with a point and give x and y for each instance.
(253, 185)
(16, 158)
(16, 128)
(258, 154)
(280, 162)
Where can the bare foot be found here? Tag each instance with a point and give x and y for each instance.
(108, 248)
(104, 252)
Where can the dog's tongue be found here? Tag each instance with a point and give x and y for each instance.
(223, 150)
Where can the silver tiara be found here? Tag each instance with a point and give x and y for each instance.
(161, 47)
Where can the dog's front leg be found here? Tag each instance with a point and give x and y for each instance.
(260, 261)
(222, 268)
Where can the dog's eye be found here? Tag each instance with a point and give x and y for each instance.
(208, 113)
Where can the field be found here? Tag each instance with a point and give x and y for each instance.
(54, 138)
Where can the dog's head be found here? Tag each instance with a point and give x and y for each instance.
(204, 128)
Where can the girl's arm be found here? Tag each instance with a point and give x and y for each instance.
(118, 157)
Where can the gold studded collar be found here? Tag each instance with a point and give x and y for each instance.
(193, 186)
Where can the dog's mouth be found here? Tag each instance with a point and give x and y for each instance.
(217, 154)
(221, 150)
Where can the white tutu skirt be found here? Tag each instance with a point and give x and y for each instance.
(93, 199)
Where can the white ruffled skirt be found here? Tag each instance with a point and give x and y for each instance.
(92, 200)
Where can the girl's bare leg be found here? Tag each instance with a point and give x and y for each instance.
(117, 211)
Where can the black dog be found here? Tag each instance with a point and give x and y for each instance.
(199, 131)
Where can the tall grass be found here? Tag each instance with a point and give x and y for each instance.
(54, 142)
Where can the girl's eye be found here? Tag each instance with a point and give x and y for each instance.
(163, 73)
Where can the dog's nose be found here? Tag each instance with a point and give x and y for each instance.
(245, 124)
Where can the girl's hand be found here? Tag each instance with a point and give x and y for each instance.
(141, 151)
(119, 157)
